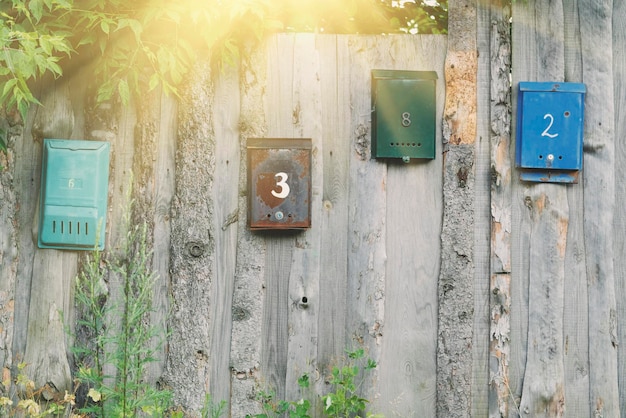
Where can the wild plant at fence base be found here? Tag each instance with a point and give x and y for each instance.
(111, 367)
(341, 402)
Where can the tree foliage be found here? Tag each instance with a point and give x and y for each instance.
(138, 45)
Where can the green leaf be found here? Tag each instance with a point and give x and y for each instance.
(104, 25)
(124, 91)
(154, 81)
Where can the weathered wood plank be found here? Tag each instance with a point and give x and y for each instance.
(456, 279)
(163, 193)
(304, 281)
(274, 343)
(225, 200)
(544, 386)
(501, 227)
(575, 313)
(524, 55)
(248, 299)
(543, 394)
(53, 270)
(482, 227)
(403, 331)
(599, 203)
(363, 288)
(9, 238)
(619, 75)
(192, 254)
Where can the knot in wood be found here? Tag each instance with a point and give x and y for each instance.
(195, 249)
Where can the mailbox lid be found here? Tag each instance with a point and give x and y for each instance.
(279, 183)
(403, 114)
(74, 194)
(550, 125)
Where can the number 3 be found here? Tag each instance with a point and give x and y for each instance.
(284, 187)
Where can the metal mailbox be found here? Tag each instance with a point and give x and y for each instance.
(549, 143)
(403, 114)
(74, 193)
(279, 183)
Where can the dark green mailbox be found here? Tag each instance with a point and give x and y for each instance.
(403, 114)
(74, 192)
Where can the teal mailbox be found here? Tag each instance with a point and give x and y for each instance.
(403, 114)
(74, 191)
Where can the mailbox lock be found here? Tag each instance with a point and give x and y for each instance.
(279, 215)
(406, 159)
(550, 157)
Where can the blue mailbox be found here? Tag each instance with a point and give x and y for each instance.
(549, 143)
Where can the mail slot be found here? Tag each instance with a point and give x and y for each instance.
(549, 141)
(403, 114)
(279, 183)
(74, 191)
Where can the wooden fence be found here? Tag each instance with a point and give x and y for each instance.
(250, 310)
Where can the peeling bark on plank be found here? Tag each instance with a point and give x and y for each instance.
(456, 279)
(9, 229)
(501, 226)
(599, 204)
(188, 365)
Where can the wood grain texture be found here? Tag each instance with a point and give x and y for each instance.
(482, 226)
(599, 160)
(575, 313)
(52, 271)
(192, 253)
(275, 338)
(226, 211)
(404, 328)
(248, 296)
(619, 73)
(501, 226)
(9, 238)
(162, 199)
(311, 99)
(456, 279)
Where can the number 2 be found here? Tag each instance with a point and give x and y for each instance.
(545, 132)
(284, 187)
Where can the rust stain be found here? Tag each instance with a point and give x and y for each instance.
(540, 203)
(460, 108)
(561, 243)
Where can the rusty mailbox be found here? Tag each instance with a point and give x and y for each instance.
(279, 183)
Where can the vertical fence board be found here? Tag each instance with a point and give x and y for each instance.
(367, 257)
(482, 229)
(599, 203)
(192, 254)
(225, 214)
(245, 356)
(53, 270)
(576, 317)
(456, 298)
(619, 88)
(500, 213)
(163, 193)
(305, 289)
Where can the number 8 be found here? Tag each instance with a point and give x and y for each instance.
(406, 119)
